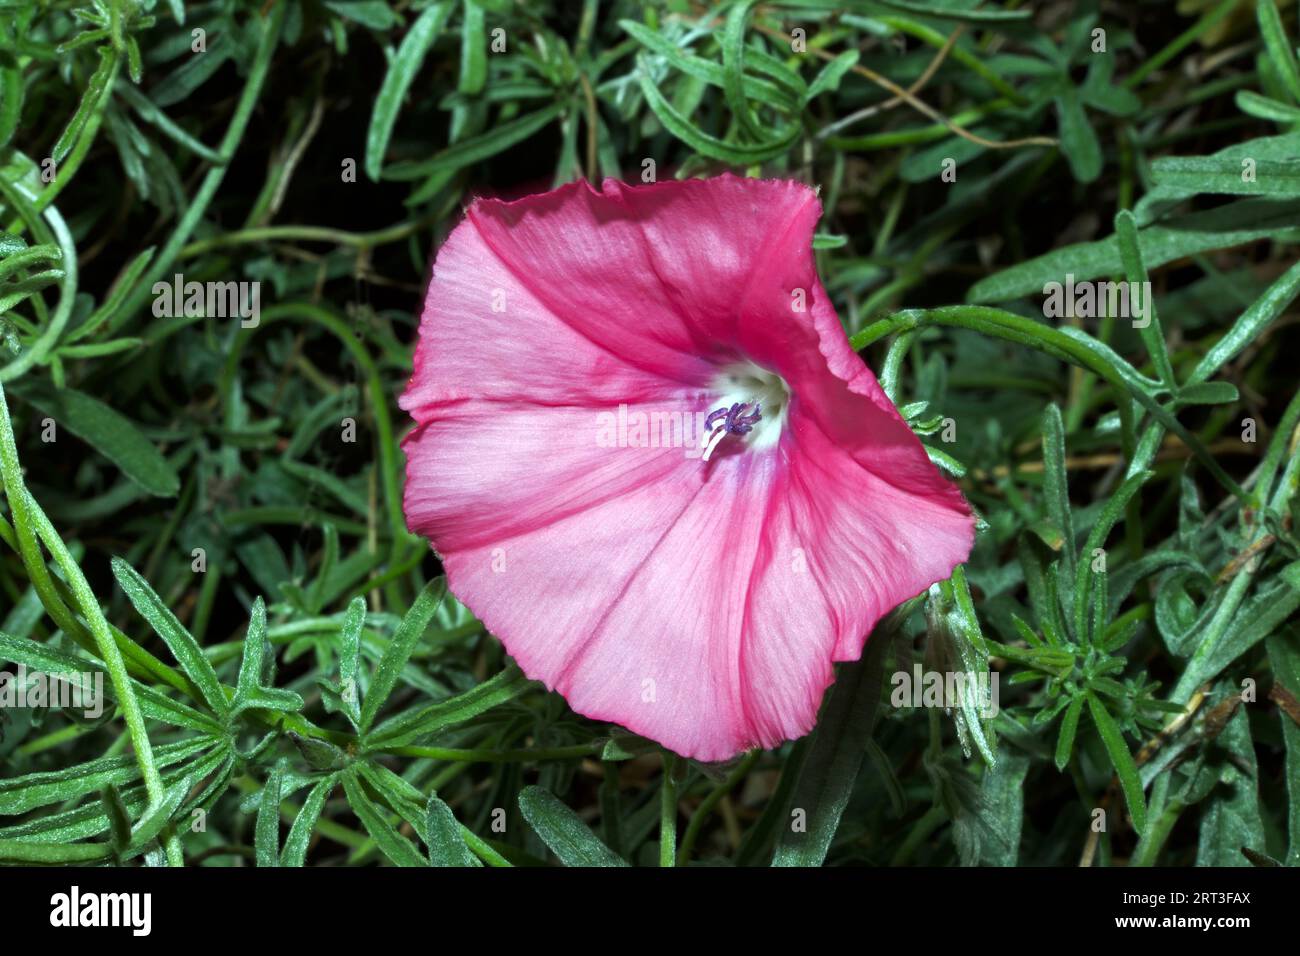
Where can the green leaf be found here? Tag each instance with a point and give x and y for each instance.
(1122, 759)
(392, 844)
(375, 14)
(114, 436)
(255, 646)
(196, 70)
(1256, 619)
(1136, 273)
(473, 49)
(295, 846)
(349, 655)
(1231, 820)
(181, 643)
(963, 14)
(1206, 174)
(1069, 728)
(402, 729)
(736, 154)
(157, 816)
(1055, 490)
(1262, 107)
(698, 67)
(52, 853)
(1078, 141)
(733, 66)
(563, 830)
(1280, 50)
(399, 651)
(828, 80)
(398, 79)
(447, 846)
(1209, 393)
(1250, 324)
(1247, 220)
(266, 836)
(835, 753)
(1002, 794)
(1284, 655)
(478, 148)
(153, 704)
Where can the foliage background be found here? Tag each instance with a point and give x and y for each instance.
(310, 693)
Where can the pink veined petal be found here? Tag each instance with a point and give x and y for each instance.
(698, 604)
(702, 608)
(484, 335)
(601, 282)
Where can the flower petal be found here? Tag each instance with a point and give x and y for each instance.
(700, 604)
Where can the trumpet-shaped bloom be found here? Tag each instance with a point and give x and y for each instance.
(652, 464)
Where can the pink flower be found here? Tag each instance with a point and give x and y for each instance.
(653, 466)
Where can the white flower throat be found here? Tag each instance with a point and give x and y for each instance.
(753, 406)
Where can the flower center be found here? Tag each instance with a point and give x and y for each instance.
(754, 404)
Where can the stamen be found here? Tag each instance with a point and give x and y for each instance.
(730, 421)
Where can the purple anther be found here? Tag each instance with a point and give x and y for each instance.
(733, 421)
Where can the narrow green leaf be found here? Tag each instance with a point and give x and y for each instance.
(1280, 49)
(733, 66)
(375, 14)
(473, 49)
(181, 643)
(1231, 820)
(563, 830)
(114, 436)
(1262, 107)
(1055, 490)
(963, 14)
(734, 153)
(349, 655)
(1250, 325)
(1136, 273)
(1246, 177)
(1122, 759)
(1078, 141)
(250, 667)
(835, 753)
(266, 836)
(447, 846)
(196, 70)
(153, 704)
(828, 80)
(1247, 220)
(1069, 727)
(299, 839)
(398, 79)
(1284, 655)
(1111, 512)
(478, 148)
(157, 816)
(392, 844)
(432, 718)
(399, 651)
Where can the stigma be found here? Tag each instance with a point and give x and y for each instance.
(751, 405)
(730, 421)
